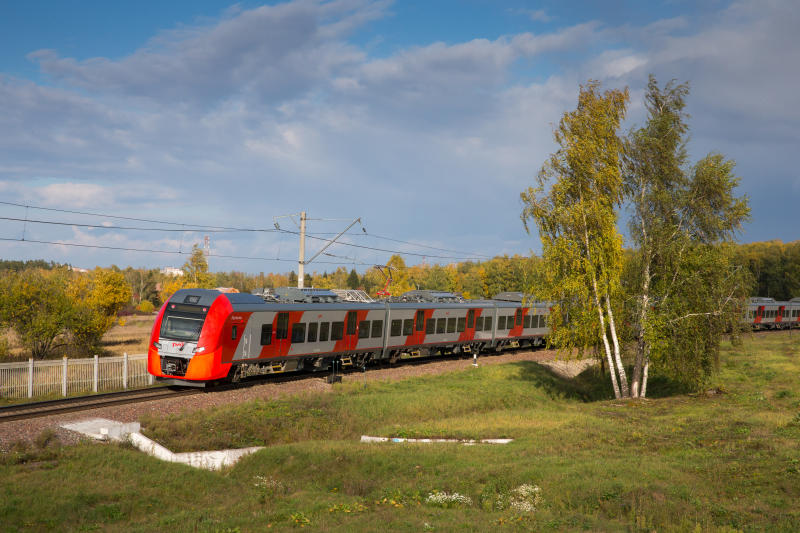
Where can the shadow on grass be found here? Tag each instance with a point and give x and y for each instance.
(591, 385)
(588, 386)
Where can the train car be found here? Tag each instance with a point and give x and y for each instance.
(766, 313)
(793, 313)
(519, 322)
(203, 336)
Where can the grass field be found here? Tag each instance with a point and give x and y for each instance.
(726, 461)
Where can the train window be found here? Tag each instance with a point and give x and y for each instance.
(479, 324)
(408, 327)
(298, 332)
(501, 322)
(518, 317)
(363, 329)
(487, 323)
(312, 332)
(451, 325)
(377, 328)
(324, 327)
(420, 320)
(282, 327)
(441, 325)
(352, 320)
(337, 330)
(266, 334)
(526, 322)
(233, 332)
(462, 322)
(397, 328)
(470, 318)
(430, 327)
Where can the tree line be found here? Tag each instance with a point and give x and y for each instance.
(40, 300)
(773, 266)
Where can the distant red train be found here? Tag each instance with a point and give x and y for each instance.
(202, 335)
(766, 313)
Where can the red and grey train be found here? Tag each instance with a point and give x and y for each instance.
(202, 335)
(766, 313)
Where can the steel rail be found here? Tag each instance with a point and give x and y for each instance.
(24, 411)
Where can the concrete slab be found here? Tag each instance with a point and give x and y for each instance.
(467, 442)
(104, 429)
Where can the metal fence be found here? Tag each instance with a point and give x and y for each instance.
(34, 379)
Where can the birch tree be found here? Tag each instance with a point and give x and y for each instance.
(686, 292)
(574, 205)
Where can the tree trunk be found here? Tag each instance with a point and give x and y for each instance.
(642, 348)
(644, 375)
(623, 378)
(604, 336)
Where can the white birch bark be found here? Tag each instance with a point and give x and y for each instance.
(623, 378)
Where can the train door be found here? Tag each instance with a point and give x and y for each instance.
(281, 335)
(351, 331)
(759, 314)
(781, 313)
(247, 348)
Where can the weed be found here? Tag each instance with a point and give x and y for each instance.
(448, 500)
(300, 520)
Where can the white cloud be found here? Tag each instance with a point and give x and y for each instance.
(72, 195)
(272, 109)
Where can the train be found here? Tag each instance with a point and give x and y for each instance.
(202, 336)
(205, 336)
(766, 313)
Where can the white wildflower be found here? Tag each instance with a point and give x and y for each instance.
(269, 483)
(525, 498)
(444, 499)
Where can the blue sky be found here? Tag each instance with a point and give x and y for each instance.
(425, 119)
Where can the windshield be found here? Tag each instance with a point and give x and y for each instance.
(181, 328)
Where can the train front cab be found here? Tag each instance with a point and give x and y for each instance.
(184, 344)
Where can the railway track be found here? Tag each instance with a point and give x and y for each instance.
(25, 411)
(81, 403)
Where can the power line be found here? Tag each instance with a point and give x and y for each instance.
(196, 227)
(214, 229)
(100, 226)
(381, 249)
(169, 252)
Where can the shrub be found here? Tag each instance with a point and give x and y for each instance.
(146, 307)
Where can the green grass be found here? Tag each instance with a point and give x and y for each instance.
(721, 462)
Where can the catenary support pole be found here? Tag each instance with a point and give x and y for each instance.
(301, 263)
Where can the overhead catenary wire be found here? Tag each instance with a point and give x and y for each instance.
(216, 229)
(168, 252)
(101, 226)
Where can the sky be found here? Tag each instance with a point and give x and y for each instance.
(136, 129)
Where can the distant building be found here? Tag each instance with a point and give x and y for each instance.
(172, 271)
(81, 270)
